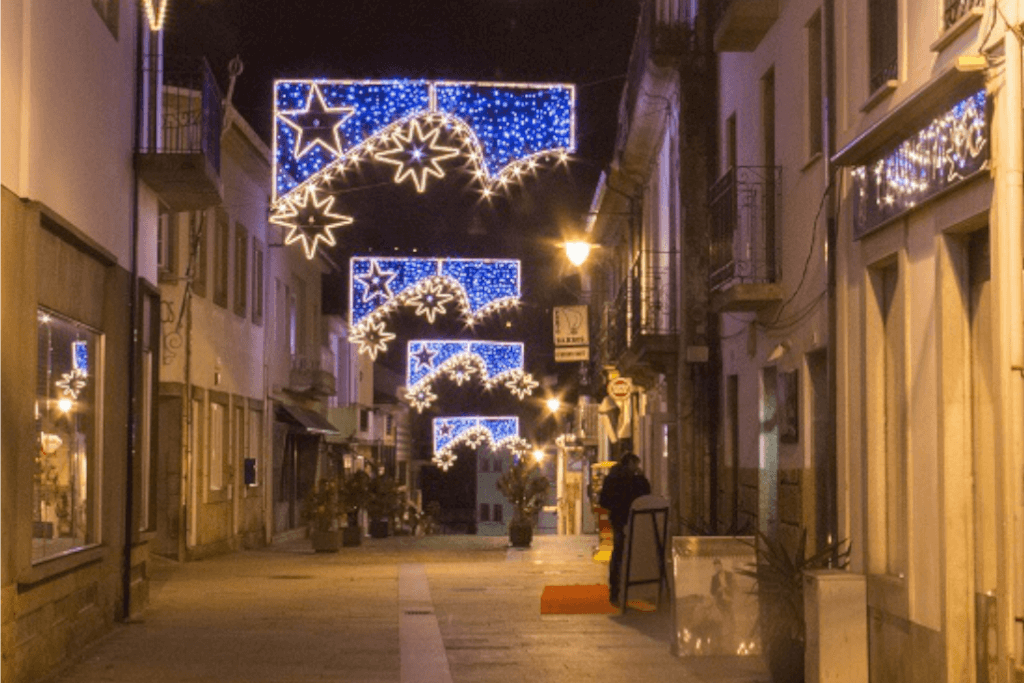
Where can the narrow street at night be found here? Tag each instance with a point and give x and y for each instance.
(285, 614)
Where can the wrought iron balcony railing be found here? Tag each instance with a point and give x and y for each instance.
(188, 108)
(955, 10)
(642, 307)
(744, 206)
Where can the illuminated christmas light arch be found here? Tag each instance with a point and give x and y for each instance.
(431, 286)
(474, 431)
(322, 127)
(492, 363)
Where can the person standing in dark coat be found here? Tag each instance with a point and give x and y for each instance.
(624, 484)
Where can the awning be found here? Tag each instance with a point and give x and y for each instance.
(311, 422)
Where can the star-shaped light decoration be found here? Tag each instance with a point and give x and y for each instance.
(156, 12)
(476, 436)
(519, 446)
(424, 357)
(310, 220)
(462, 371)
(430, 299)
(522, 384)
(372, 339)
(72, 383)
(421, 398)
(317, 124)
(445, 429)
(376, 282)
(417, 155)
(445, 461)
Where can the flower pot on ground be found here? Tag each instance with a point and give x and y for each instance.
(526, 489)
(322, 510)
(353, 496)
(326, 541)
(384, 504)
(779, 581)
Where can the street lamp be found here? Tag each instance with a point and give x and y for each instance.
(577, 252)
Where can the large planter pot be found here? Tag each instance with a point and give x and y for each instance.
(326, 541)
(379, 528)
(520, 535)
(786, 660)
(351, 536)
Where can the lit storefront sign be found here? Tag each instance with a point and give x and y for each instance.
(952, 147)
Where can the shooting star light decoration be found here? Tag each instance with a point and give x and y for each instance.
(494, 363)
(431, 286)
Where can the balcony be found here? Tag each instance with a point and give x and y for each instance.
(665, 43)
(955, 10)
(744, 212)
(740, 25)
(179, 149)
(640, 327)
(312, 377)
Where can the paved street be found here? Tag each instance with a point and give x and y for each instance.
(443, 609)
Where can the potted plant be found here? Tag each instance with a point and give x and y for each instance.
(321, 509)
(383, 505)
(779, 582)
(354, 495)
(525, 488)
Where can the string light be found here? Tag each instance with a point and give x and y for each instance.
(473, 431)
(380, 286)
(953, 146)
(416, 155)
(504, 129)
(372, 339)
(310, 221)
(72, 383)
(494, 362)
(156, 14)
(318, 123)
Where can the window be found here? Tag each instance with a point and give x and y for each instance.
(485, 463)
(257, 282)
(496, 465)
(499, 514)
(293, 321)
(485, 512)
(768, 152)
(167, 245)
(364, 420)
(221, 264)
(814, 101)
(109, 11)
(241, 268)
(215, 470)
(197, 252)
(882, 46)
(65, 483)
(730, 142)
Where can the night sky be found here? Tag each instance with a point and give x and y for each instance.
(584, 42)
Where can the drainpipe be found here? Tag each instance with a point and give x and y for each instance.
(1010, 255)
(831, 254)
(133, 286)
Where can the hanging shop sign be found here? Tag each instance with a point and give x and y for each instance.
(570, 326)
(620, 388)
(572, 354)
(949, 149)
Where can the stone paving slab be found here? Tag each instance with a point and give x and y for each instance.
(285, 614)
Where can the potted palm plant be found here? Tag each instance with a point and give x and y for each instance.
(778, 573)
(383, 505)
(525, 488)
(354, 495)
(321, 509)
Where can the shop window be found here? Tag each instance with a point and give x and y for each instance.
(255, 454)
(65, 483)
(215, 472)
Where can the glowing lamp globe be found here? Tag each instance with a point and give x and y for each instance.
(577, 252)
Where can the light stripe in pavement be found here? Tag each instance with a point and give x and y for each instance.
(423, 656)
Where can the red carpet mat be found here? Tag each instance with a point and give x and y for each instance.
(576, 600)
